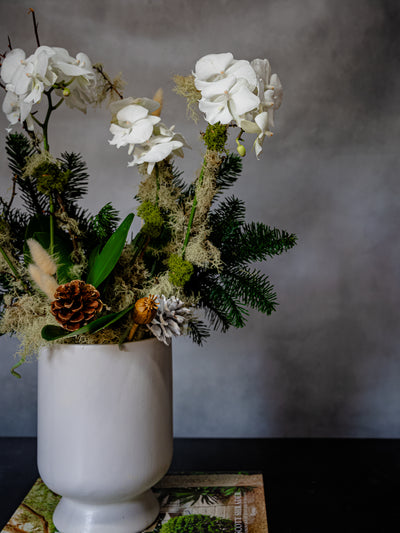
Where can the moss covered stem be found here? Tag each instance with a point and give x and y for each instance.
(193, 210)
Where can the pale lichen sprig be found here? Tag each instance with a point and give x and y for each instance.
(42, 269)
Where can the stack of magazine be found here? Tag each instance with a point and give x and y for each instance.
(236, 499)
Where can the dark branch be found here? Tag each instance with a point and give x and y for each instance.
(35, 25)
(108, 80)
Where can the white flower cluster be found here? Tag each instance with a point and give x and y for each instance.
(171, 317)
(148, 139)
(240, 91)
(26, 78)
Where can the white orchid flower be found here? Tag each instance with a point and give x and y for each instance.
(261, 127)
(78, 74)
(225, 100)
(68, 67)
(269, 87)
(150, 105)
(214, 67)
(226, 86)
(16, 110)
(28, 77)
(134, 126)
(163, 143)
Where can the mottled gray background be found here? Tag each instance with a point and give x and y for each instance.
(328, 362)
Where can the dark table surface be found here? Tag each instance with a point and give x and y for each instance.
(311, 485)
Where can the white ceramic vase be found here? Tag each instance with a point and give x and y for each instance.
(105, 433)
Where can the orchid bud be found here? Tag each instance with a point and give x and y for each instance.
(240, 148)
(66, 92)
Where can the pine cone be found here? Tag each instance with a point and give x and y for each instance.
(169, 320)
(76, 303)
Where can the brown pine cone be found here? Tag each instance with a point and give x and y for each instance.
(76, 303)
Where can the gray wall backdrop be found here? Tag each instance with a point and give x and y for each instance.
(328, 362)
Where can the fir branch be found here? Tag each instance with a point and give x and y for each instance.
(226, 219)
(18, 149)
(252, 287)
(197, 331)
(104, 223)
(78, 177)
(255, 242)
(228, 172)
(17, 222)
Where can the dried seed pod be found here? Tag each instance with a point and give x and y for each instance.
(145, 310)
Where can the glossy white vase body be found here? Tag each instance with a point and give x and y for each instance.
(105, 433)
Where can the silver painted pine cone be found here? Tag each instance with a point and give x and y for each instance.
(170, 319)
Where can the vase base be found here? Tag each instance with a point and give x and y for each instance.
(131, 516)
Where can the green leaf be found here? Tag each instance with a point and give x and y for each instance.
(106, 260)
(53, 333)
(38, 229)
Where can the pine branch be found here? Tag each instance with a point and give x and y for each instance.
(17, 222)
(255, 242)
(197, 331)
(229, 172)
(186, 190)
(104, 223)
(225, 220)
(253, 288)
(77, 184)
(18, 149)
(223, 309)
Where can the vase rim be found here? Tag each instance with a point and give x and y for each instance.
(114, 344)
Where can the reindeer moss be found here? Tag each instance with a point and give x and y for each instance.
(184, 86)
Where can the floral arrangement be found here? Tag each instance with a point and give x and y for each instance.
(70, 276)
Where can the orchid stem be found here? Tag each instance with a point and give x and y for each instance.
(51, 226)
(157, 183)
(193, 211)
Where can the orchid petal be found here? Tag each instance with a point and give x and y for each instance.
(211, 65)
(11, 63)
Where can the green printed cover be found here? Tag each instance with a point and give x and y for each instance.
(236, 497)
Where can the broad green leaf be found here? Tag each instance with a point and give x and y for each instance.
(38, 229)
(53, 333)
(106, 260)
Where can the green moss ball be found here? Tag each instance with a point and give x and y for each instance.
(153, 218)
(215, 137)
(180, 271)
(49, 178)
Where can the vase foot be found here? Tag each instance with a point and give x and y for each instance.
(131, 516)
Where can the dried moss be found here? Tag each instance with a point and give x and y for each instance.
(201, 252)
(36, 161)
(184, 86)
(25, 316)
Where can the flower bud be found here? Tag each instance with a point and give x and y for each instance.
(240, 148)
(66, 92)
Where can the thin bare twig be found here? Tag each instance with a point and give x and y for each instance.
(9, 43)
(108, 80)
(35, 25)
